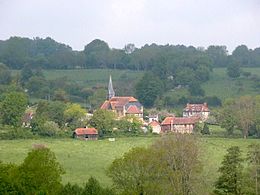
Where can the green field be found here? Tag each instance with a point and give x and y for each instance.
(94, 77)
(222, 86)
(83, 159)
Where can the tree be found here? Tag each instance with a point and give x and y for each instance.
(253, 156)
(74, 115)
(7, 184)
(173, 160)
(231, 179)
(148, 89)
(233, 69)
(218, 55)
(103, 121)
(93, 187)
(131, 173)
(130, 124)
(40, 172)
(244, 112)
(5, 74)
(70, 189)
(226, 116)
(13, 107)
(205, 130)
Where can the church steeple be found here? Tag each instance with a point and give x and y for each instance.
(111, 92)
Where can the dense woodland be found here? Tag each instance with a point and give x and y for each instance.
(17, 52)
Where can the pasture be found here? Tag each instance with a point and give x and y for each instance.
(94, 77)
(82, 159)
(222, 86)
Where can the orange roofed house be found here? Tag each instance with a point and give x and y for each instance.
(121, 105)
(198, 110)
(178, 124)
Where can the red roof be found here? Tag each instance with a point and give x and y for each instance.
(154, 123)
(117, 101)
(133, 110)
(179, 120)
(86, 131)
(105, 105)
(197, 108)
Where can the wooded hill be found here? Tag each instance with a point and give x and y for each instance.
(46, 53)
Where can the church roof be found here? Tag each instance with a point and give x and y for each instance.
(133, 110)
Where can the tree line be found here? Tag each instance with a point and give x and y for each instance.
(16, 52)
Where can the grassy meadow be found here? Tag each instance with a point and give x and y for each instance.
(222, 86)
(82, 159)
(94, 77)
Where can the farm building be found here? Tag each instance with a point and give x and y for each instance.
(197, 110)
(86, 133)
(179, 124)
(156, 127)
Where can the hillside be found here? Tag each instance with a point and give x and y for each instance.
(94, 77)
(222, 86)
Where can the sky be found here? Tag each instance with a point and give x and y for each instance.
(199, 23)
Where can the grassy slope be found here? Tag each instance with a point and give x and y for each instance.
(93, 77)
(223, 87)
(84, 159)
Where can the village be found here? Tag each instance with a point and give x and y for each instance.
(125, 106)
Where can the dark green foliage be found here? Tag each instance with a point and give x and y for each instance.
(13, 107)
(40, 172)
(93, 187)
(70, 189)
(5, 74)
(49, 115)
(218, 55)
(233, 70)
(148, 89)
(205, 130)
(196, 90)
(230, 180)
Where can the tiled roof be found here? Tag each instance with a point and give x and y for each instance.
(117, 101)
(86, 131)
(105, 105)
(196, 108)
(179, 120)
(133, 110)
(154, 123)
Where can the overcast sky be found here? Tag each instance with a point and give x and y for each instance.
(118, 22)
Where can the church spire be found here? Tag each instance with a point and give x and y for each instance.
(111, 92)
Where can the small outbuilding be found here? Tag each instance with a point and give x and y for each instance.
(156, 127)
(86, 133)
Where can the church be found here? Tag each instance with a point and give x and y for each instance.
(122, 105)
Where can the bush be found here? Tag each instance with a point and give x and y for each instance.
(10, 133)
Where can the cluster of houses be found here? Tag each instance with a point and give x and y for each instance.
(130, 106)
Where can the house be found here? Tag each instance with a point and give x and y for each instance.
(197, 110)
(86, 133)
(153, 117)
(156, 127)
(179, 124)
(122, 105)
